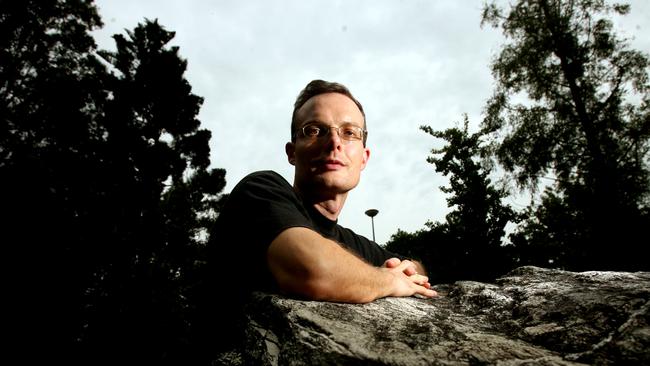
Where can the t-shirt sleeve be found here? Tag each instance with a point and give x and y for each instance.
(260, 207)
(257, 210)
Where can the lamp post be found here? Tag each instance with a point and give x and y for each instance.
(372, 213)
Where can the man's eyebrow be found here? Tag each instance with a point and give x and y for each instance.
(317, 121)
(311, 122)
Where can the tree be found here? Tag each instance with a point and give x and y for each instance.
(476, 226)
(433, 247)
(468, 245)
(165, 194)
(107, 188)
(584, 123)
(50, 92)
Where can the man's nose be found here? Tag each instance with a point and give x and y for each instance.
(334, 138)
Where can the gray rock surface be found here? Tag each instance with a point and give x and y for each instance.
(532, 316)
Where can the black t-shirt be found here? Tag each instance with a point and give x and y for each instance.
(259, 208)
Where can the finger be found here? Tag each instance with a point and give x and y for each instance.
(404, 265)
(410, 271)
(428, 292)
(392, 262)
(419, 279)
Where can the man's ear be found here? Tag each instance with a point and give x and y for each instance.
(290, 149)
(366, 157)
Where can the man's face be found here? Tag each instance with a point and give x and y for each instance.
(327, 165)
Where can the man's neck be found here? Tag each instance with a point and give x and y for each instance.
(329, 206)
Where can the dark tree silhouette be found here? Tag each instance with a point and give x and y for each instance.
(468, 245)
(51, 98)
(585, 123)
(106, 190)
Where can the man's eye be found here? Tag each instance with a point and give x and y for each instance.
(312, 130)
(349, 131)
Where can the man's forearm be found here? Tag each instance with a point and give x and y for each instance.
(306, 264)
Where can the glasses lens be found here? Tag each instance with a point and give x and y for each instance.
(313, 131)
(350, 132)
(346, 132)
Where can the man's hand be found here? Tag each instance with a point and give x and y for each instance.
(407, 279)
(304, 263)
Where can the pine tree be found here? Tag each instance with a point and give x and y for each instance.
(106, 187)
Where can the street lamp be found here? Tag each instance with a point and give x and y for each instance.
(372, 213)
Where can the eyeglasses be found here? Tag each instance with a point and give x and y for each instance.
(346, 132)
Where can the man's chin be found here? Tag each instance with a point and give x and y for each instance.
(334, 183)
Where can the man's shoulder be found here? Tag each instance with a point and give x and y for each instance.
(258, 189)
(263, 179)
(270, 174)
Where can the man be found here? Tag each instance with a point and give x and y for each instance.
(277, 237)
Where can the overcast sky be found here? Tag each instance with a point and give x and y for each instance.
(409, 62)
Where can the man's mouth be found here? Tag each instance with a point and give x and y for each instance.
(330, 164)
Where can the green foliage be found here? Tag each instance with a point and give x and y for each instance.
(468, 244)
(106, 186)
(584, 122)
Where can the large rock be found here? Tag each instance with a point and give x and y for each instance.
(532, 316)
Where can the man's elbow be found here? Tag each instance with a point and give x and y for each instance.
(308, 283)
(314, 289)
(323, 290)
(320, 286)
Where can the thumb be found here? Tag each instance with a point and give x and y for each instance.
(392, 262)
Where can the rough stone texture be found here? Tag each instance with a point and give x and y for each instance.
(532, 316)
